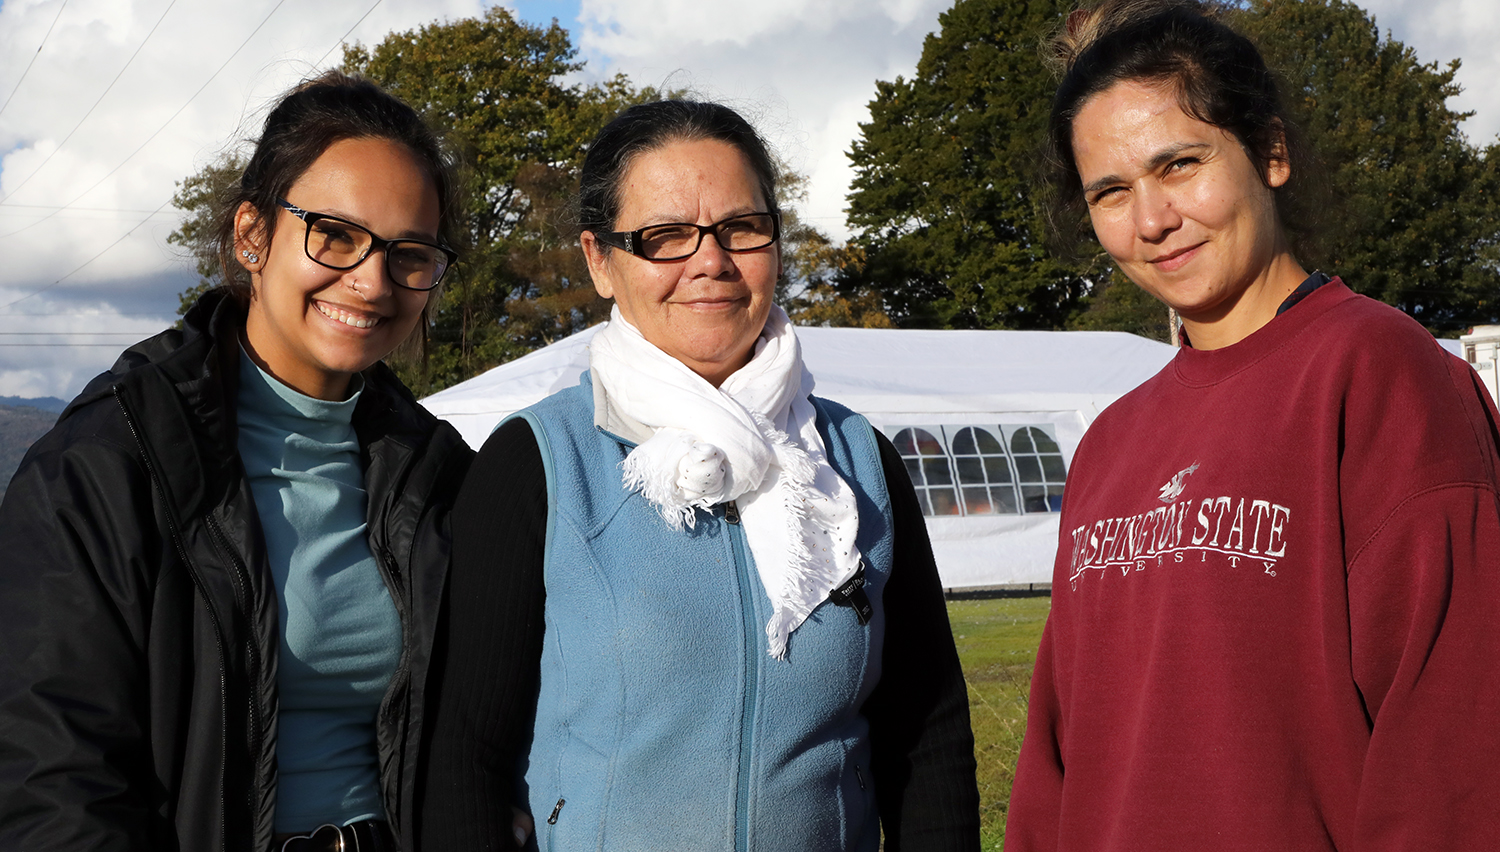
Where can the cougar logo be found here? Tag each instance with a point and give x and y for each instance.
(1175, 485)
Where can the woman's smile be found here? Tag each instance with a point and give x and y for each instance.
(345, 316)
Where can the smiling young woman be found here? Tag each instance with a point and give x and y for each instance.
(224, 564)
(312, 326)
(1293, 646)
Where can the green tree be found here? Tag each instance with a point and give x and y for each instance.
(944, 209)
(499, 88)
(813, 267)
(1415, 218)
(943, 205)
(198, 194)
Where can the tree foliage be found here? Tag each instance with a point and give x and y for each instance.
(198, 194)
(944, 204)
(945, 210)
(1415, 219)
(498, 87)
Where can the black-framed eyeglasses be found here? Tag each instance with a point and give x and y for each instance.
(340, 244)
(679, 240)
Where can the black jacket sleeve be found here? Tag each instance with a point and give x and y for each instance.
(486, 663)
(77, 538)
(923, 747)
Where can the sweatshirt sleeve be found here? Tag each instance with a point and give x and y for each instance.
(77, 533)
(487, 657)
(922, 745)
(1424, 609)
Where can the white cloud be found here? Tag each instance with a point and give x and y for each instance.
(1443, 30)
(109, 191)
(802, 71)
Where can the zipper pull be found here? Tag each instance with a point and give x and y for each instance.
(852, 594)
(552, 820)
(732, 513)
(859, 776)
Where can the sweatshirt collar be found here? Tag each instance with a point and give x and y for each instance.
(1198, 368)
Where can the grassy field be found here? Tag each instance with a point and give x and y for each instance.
(997, 641)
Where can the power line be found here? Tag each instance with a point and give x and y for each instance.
(361, 20)
(194, 96)
(158, 132)
(153, 314)
(33, 57)
(174, 115)
(76, 209)
(90, 260)
(102, 95)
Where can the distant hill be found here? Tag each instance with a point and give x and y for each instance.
(20, 425)
(45, 403)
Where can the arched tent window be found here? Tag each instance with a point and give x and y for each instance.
(984, 475)
(1039, 467)
(927, 465)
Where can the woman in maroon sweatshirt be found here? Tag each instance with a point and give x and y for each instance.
(1274, 621)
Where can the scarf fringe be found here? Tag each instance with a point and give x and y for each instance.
(795, 482)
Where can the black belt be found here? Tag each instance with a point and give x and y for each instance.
(370, 835)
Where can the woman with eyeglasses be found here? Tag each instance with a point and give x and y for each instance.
(692, 605)
(224, 564)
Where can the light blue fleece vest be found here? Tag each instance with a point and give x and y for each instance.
(662, 722)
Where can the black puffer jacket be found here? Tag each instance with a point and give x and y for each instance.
(138, 622)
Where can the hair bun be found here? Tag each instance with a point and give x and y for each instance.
(1088, 23)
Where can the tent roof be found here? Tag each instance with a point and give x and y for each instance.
(873, 371)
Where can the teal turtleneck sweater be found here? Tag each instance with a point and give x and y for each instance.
(340, 632)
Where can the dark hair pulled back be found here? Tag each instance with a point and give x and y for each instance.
(1219, 76)
(649, 126)
(309, 119)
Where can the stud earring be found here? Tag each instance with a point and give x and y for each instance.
(250, 255)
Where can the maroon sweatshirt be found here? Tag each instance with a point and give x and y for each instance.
(1276, 604)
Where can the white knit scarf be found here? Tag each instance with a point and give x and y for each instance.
(752, 440)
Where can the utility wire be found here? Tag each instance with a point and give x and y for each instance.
(164, 204)
(336, 46)
(33, 57)
(75, 209)
(158, 132)
(80, 266)
(102, 95)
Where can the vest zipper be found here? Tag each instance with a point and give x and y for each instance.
(552, 820)
(750, 643)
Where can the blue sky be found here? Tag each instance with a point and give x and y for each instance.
(127, 97)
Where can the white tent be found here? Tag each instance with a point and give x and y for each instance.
(981, 416)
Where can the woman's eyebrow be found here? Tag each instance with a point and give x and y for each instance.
(1159, 159)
